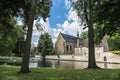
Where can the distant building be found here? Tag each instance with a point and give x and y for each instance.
(67, 44)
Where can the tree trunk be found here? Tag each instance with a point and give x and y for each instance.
(91, 56)
(44, 61)
(26, 55)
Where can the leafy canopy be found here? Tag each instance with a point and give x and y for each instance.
(108, 19)
(9, 34)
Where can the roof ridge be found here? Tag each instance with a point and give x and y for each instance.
(68, 35)
(70, 38)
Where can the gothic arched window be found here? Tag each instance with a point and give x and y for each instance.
(67, 47)
(70, 48)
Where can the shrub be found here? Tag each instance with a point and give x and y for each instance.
(116, 52)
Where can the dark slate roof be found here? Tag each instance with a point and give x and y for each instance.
(70, 38)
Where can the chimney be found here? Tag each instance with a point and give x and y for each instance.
(78, 34)
(78, 42)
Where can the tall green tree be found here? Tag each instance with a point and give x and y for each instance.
(35, 7)
(86, 10)
(8, 11)
(10, 32)
(45, 47)
(25, 61)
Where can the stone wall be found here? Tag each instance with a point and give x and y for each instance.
(110, 57)
(84, 51)
(80, 51)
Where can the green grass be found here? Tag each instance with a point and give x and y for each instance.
(9, 73)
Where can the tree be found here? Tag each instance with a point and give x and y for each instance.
(44, 7)
(8, 12)
(10, 33)
(86, 10)
(113, 42)
(25, 61)
(19, 47)
(45, 45)
(10, 8)
(108, 19)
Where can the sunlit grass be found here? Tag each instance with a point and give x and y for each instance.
(10, 73)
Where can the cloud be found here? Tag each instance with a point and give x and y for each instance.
(72, 15)
(72, 24)
(67, 4)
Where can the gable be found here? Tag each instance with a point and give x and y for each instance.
(59, 38)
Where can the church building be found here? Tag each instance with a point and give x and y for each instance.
(66, 44)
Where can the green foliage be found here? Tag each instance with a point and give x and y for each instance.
(45, 45)
(36, 51)
(9, 73)
(9, 31)
(116, 52)
(10, 59)
(9, 34)
(84, 35)
(108, 18)
(10, 8)
(42, 9)
(114, 42)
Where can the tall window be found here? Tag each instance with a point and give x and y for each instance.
(67, 48)
(70, 48)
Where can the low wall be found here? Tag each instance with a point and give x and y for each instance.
(111, 58)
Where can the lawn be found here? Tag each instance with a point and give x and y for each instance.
(9, 73)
